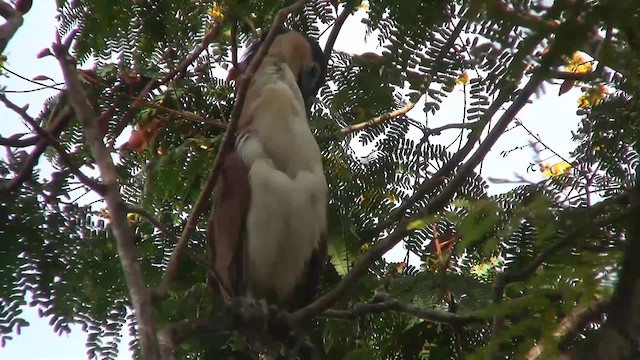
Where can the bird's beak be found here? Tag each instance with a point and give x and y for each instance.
(308, 83)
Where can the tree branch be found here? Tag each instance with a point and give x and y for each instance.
(15, 141)
(46, 138)
(436, 204)
(139, 294)
(14, 21)
(187, 115)
(439, 130)
(377, 120)
(180, 69)
(335, 31)
(225, 146)
(390, 304)
(617, 339)
(570, 324)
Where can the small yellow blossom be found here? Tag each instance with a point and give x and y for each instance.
(592, 97)
(364, 5)
(133, 218)
(583, 102)
(216, 12)
(578, 64)
(598, 148)
(555, 169)
(463, 78)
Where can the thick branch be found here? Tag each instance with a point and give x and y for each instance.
(140, 296)
(225, 146)
(570, 324)
(14, 21)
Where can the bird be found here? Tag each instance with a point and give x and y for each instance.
(267, 232)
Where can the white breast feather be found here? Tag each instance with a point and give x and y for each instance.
(287, 213)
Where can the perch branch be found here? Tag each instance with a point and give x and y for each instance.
(225, 145)
(139, 294)
(436, 204)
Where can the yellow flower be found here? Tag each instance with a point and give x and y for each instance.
(364, 5)
(132, 218)
(578, 64)
(596, 94)
(598, 148)
(216, 12)
(463, 78)
(592, 97)
(555, 169)
(364, 247)
(583, 102)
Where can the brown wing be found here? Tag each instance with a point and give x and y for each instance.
(226, 227)
(306, 290)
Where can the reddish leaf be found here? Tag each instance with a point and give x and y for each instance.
(566, 86)
(42, 78)
(140, 138)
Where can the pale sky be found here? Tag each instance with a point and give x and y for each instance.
(551, 117)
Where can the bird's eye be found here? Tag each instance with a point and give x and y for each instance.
(314, 71)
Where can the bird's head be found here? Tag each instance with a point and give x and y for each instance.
(302, 54)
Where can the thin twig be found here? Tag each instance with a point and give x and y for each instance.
(394, 305)
(45, 138)
(180, 69)
(139, 294)
(225, 145)
(234, 44)
(33, 81)
(335, 31)
(173, 237)
(15, 141)
(182, 113)
(378, 119)
(91, 183)
(438, 130)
